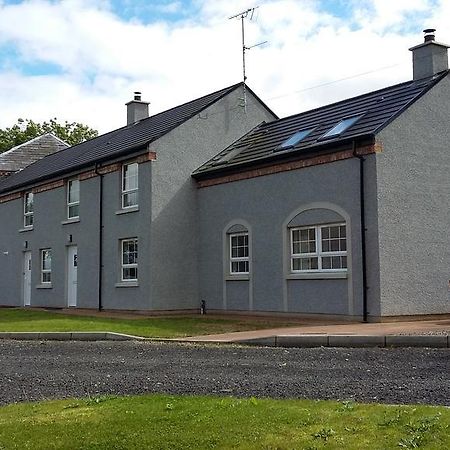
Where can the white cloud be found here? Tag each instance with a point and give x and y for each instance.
(103, 58)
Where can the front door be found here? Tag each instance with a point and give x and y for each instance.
(72, 275)
(27, 278)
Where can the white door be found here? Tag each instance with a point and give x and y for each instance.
(72, 275)
(27, 278)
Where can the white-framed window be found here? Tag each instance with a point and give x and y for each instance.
(28, 213)
(239, 259)
(73, 199)
(46, 266)
(129, 259)
(130, 177)
(319, 248)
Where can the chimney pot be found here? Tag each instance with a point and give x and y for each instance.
(137, 95)
(429, 34)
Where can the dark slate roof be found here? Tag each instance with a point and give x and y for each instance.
(21, 156)
(116, 143)
(376, 110)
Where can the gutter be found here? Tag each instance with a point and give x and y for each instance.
(100, 237)
(363, 229)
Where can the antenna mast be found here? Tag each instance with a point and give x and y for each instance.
(243, 15)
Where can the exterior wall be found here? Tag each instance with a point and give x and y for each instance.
(267, 206)
(413, 208)
(11, 247)
(165, 223)
(51, 229)
(174, 226)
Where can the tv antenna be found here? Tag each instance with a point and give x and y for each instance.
(243, 15)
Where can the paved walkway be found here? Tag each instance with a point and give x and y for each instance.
(428, 327)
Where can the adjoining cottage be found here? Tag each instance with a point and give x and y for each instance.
(21, 156)
(112, 222)
(342, 210)
(339, 211)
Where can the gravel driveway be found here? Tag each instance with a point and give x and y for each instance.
(37, 370)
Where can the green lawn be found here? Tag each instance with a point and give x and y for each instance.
(168, 422)
(162, 327)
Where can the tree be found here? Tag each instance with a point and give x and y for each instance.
(26, 129)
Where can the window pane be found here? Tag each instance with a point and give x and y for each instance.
(130, 177)
(130, 199)
(334, 232)
(73, 211)
(334, 245)
(130, 273)
(325, 246)
(304, 235)
(239, 267)
(343, 244)
(28, 220)
(46, 277)
(326, 262)
(342, 231)
(344, 262)
(74, 191)
(29, 202)
(46, 260)
(305, 263)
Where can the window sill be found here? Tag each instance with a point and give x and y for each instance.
(73, 220)
(44, 286)
(238, 277)
(24, 230)
(127, 210)
(126, 284)
(317, 276)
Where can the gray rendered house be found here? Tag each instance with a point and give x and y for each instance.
(112, 222)
(339, 211)
(343, 210)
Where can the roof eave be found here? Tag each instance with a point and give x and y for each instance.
(297, 154)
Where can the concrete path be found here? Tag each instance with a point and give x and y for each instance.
(430, 333)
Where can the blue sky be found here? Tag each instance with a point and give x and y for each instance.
(81, 60)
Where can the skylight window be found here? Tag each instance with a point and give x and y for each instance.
(294, 139)
(339, 128)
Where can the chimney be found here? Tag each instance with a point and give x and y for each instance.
(136, 109)
(430, 57)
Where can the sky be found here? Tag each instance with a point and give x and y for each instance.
(81, 61)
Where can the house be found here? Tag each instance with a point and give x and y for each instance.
(342, 210)
(339, 211)
(112, 222)
(21, 156)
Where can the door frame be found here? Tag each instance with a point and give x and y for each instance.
(26, 301)
(69, 256)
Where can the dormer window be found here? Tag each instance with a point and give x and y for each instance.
(294, 139)
(340, 127)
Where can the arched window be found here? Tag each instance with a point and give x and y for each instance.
(238, 249)
(317, 242)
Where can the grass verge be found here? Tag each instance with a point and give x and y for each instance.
(162, 327)
(183, 422)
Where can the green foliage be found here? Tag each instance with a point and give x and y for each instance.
(26, 129)
(196, 422)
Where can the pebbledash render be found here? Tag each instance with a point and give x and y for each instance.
(339, 211)
(112, 223)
